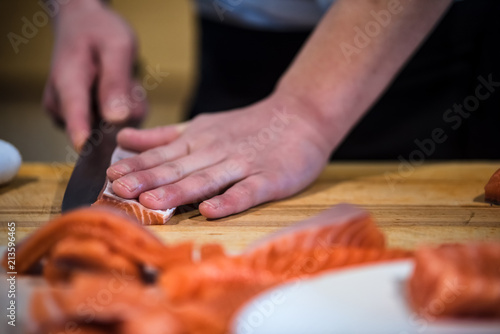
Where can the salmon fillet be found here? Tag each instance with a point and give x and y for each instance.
(131, 207)
(492, 189)
(456, 281)
(96, 254)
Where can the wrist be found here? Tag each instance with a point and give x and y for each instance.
(310, 120)
(331, 121)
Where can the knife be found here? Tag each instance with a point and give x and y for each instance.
(89, 174)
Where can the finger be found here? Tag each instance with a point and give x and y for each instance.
(73, 87)
(133, 184)
(142, 140)
(194, 188)
(115, 81)
(253, 190)
(148, 159)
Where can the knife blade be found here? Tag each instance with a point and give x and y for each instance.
(89, 174)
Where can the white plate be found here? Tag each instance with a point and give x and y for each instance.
(367, 299)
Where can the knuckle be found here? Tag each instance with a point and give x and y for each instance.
(239, 167)
(112, 86)
(73, 52)
(175, 190)
(152, 157)
(217, 149)
(174, 168)
(205, 185)
(156, 154)
(273, 179)
(205, 178)
(277, 185)
(146, 177)
(243, 191)
(138, 164)
(132, 164)
(173, 193)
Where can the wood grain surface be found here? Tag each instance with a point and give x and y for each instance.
(433, 203)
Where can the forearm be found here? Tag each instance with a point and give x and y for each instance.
(352, 57)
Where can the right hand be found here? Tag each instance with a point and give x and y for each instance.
(93, 46)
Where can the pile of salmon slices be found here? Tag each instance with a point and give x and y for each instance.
(149, 287)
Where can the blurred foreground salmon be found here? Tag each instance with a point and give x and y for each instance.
(142, 285)
(108, 274)
(457, 281)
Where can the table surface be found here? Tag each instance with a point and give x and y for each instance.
(429, 204)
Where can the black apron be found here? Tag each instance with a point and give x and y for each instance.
(444, 104)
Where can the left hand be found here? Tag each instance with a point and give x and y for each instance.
(230, 161)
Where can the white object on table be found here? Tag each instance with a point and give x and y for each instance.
(366, 299)
(10, 161)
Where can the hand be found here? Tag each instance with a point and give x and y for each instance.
(264, 152)
(93, 46)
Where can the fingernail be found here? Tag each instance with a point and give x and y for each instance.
(120, 169)
(209, 204)
(116, 112)
(130, 185)
(113, 173)
(149, 194)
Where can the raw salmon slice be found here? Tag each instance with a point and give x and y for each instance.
(131, 207)
(323, 237)
(456, 281)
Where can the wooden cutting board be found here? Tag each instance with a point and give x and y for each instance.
(433, 203)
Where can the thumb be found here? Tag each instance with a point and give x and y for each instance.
(142, 140)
